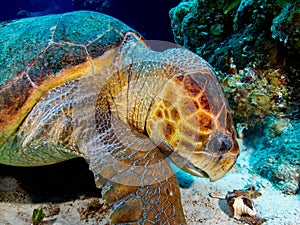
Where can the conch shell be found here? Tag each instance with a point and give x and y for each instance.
(241, 205)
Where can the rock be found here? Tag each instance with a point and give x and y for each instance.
(255, 34)
(285, 27)
(254, 46)
(277, 157)
(254, 94)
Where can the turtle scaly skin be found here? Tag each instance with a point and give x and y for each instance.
(84, 84)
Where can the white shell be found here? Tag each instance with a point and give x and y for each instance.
(240, 208)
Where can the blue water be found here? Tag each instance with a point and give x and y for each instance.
(11, 9)
(151, 20)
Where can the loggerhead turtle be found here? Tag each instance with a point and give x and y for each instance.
(83, 84)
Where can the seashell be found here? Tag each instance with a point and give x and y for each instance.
(243, 205)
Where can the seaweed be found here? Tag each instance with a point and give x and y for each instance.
(231, 6)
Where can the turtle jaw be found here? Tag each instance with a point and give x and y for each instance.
(215, 167)
(206, 164)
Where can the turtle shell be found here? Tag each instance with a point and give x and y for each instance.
(37, 55)
(53, 105)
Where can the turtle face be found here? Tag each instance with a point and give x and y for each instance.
(190, 121)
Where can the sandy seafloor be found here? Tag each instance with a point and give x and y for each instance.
(16, 205)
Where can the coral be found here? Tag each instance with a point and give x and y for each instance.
(263, 32)
(232, 5)
(277, 157)
(201, 25)
(254, 47)
(286, 27)
(277, 127)
(286, 30)
(254, 93)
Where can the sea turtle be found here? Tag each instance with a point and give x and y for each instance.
(84, 84)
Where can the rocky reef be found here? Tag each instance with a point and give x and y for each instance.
(254, 45)
(277, 156)
(254, 94)
(255, 48)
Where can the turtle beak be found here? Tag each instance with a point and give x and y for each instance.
(206, 164)
(215, 165)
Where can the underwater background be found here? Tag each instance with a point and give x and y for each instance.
(151, 19)
(254, 47)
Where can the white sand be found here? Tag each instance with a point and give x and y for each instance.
(278, 209)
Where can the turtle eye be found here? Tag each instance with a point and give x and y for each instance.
(219, 142)
(225, 144)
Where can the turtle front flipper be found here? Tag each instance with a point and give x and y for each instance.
(154, 204)
(135, 178)
(146, 192)
(138, 183)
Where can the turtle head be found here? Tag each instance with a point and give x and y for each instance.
(191, 122)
